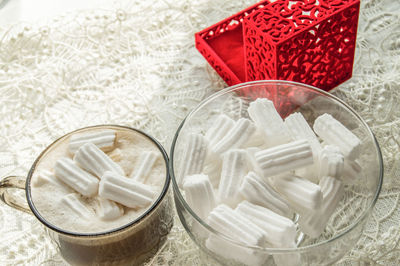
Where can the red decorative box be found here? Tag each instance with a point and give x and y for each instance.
(309, 41)
(222, 45)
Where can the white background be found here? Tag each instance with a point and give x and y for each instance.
(12, 11)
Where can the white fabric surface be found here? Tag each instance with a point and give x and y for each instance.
(134, 63)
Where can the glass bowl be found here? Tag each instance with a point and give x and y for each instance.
(345, 225)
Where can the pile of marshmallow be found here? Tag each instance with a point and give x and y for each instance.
(91, 173)
(248, 178)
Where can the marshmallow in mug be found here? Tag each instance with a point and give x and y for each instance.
(93, 186)
(296, 172)
(104, 139)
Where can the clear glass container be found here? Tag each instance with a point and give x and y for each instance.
(345, 225)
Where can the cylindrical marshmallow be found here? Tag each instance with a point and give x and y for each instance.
(314, 224)
(241, 132)
(302, 195)
(225, 220)
(279, 230)
(251, 160)
(331, 162)
(262, 111)
(256, 191)
(219, 128)
(258, 140)
(239, 228)
(234, 168)
(125, 191)
(94, 160)
(74, 202)
(108, 210)
(81, 181)
(285, 157)
(299, 129)
(351, 170)
(309, 172)
(199, 194)
(103, 139)
(212, 167)
(144, 166)
(333, 132)
(234, 252)
(115, 155)
(47, 177)
(193, 156)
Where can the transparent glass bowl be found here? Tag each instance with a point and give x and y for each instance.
(345, 225)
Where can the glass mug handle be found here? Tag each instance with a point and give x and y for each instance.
(8, 189)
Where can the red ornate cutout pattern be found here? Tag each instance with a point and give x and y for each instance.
(308, 41)
(213, 46)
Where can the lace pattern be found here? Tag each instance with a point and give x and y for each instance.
(137, 66)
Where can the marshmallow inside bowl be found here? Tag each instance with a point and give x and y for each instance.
(274, 172)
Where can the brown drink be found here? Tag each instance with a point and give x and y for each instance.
(130, 238)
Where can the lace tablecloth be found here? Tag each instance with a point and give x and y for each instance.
(136, 65)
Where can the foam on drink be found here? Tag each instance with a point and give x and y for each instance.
(54, 202)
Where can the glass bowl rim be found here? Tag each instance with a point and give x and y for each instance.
(233, 88)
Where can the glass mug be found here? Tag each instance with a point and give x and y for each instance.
(132, 243)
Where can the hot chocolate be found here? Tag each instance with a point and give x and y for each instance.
(75, 184)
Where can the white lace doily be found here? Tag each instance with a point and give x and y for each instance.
(138, 66)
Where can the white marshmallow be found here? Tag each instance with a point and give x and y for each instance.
(285, 157)
(225, 220)
(74, 202)
(144, 166)
(108, 210)
(115, 155)
(309, 172)
(231, 251)
(234, 168)
(199, 194)
(71, 174)
(212, 167)
(125, 191)
(94, 160)
(331, 162)
(193, 156)
(262, 111)
(103, 139)
(314, 224)
(255, 190)
(238, 227)
(351, 170)
(333, 132)
(47, 177)
(279, 230)
(302, 195)
(251, 160)
(241, 132)
(300, 129)
(258, 139)
(220, 127)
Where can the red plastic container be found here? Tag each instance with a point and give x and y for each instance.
(308, 41)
